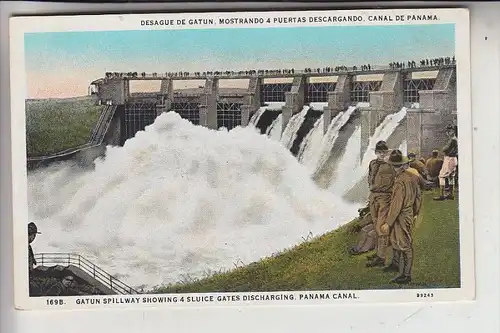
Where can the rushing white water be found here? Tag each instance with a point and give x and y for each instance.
(331, 135)
(256, 116)
(290, 132)
(179, 199)
(274, 131)
(318, 105)
(275, 105)
(382, 132)
(310, 147)
(403, 147)
(350, 159)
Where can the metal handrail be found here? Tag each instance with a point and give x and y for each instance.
(99, 122)
(111, 113)
(270, 73)
(103, 122)
(88, 267)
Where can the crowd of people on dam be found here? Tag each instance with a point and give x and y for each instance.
(423, 63)
(53, 281)
(288, 71)
(396, 183)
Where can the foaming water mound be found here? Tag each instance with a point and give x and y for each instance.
(290, 132)
(179, 199)
(382, 132)
(311, 146)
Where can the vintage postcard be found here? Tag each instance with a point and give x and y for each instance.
(244, 158)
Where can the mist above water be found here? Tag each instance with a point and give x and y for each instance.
(179, 199)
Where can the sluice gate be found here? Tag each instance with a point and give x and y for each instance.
(187, 110)
(266, 119)
(137, 116)
(307, 125)
(431, 91)
(228, 115)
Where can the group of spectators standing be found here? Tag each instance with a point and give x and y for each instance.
(396, 183)
(328, 69)
(423, 63)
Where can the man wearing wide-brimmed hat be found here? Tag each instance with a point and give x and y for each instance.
(417, 165)
(406, 201)
(32, 232)
(380, 181)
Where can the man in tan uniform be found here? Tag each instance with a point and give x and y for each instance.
(433, 166)
(380, 180)
(367, 238)
(417, 165)
(406, 201)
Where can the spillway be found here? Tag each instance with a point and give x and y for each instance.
(352, 185)
(311, 145)
(274, 131)
(181, 200)
(290, 132)
(307, 125)
(330, 138)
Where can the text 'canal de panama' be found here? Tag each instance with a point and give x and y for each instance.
(307, 181)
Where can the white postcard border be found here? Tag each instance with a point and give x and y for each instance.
(21, 25)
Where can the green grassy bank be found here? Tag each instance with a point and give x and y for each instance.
(53, 125)
(323, 264)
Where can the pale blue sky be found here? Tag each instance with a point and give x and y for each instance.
(90, 54)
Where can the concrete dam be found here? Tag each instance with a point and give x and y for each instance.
(427, 92)
(292, 163)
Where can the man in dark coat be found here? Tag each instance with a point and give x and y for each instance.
(32, 232)
(36, 279)
(449, 167)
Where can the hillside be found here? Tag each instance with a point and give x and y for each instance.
(323, 263)
(53, 125)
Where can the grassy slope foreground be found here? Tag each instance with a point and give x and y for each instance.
(54, 125)
(323, 264)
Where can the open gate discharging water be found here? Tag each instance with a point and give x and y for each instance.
(164, 195)
(181, 199)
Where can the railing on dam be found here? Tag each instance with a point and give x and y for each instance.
(88, 267)
(103, 123)
(267, 73)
